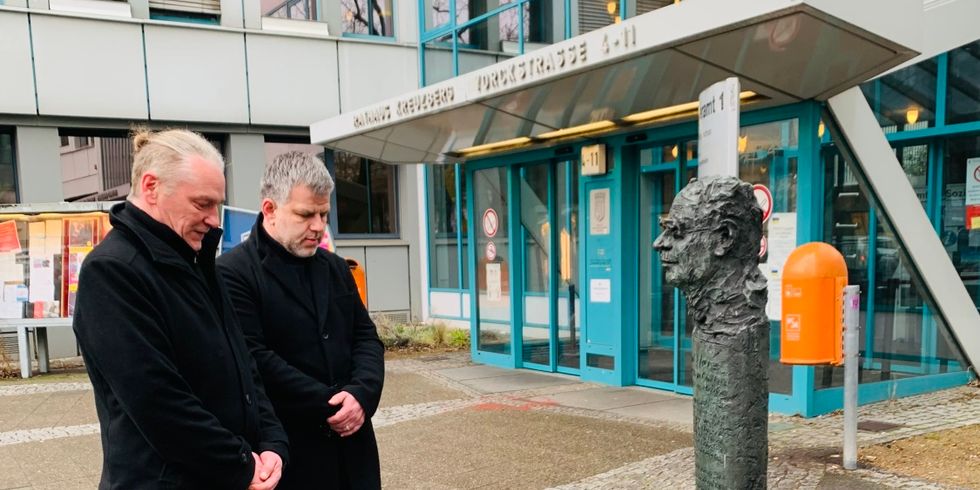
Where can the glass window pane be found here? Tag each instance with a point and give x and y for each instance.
(371, 17)
(536, 229)
(903, 337)
(383, 198)
(352, 193)
(656, 334)
(290, 9)
(8, 185)
(644, 6)
(464, 217)
(768, 155)
(443, 242)
(906, 99)
(438, 58)
(95, 167)
(593, 14)
(915, 162)
(963, 84)
(493, 276)
(959, 232)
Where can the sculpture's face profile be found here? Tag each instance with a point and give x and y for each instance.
(714, 226)
(684, 247)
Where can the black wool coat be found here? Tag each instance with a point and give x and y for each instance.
(179, 399)
(312, 338)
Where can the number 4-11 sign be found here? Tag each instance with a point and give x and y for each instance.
(718, 116)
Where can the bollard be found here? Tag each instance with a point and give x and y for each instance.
(852, 304)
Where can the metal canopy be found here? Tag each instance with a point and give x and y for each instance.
(644, 71)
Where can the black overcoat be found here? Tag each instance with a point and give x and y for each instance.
(311, 338)
(179, 399)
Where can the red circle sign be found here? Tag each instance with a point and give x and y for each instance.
(763, 246)
(764, 197)
(976, 174)
(491, 251)
(490, 223)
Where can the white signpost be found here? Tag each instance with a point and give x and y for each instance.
(718, 129)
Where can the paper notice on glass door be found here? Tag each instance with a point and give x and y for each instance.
(782, 241)
(972, 198)
(494, 284)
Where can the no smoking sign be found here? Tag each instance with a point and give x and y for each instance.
(764, 197)
(490, 223)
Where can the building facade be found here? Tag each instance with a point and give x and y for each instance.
(549, 274)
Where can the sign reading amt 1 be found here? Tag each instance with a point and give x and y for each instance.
(718, 119)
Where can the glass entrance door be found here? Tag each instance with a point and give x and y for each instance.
(664, 358)
(550, 287)
(493, 303)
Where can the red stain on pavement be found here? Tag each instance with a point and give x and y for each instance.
(519, 405)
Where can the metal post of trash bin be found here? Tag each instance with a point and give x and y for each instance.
(852, 304)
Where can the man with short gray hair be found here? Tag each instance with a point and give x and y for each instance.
(316, 347)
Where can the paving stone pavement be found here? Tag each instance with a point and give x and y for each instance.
(31, 389)
(45, 421)
(47, 433)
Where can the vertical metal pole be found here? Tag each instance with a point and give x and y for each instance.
(24, 352)
(852, 305)
(43, 360)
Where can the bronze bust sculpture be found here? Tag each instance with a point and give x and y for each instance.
(709, 248)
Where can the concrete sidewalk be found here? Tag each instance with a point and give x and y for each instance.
(447, 423)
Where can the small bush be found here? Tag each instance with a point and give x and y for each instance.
(406, 336)
(8, 369)
(459, 338)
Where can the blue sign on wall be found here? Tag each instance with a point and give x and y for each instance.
(237, 224)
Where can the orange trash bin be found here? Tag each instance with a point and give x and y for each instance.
(813, 306)
(359, 279)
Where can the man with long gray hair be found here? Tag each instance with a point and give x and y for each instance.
(316, 346)
(179, 398)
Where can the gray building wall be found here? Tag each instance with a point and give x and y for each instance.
(89, 71)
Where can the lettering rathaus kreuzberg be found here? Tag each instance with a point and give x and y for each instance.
(432, 99)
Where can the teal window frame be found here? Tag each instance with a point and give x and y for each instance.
(453, 29)
(461, 258)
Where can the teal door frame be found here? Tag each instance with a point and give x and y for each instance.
(566, 155)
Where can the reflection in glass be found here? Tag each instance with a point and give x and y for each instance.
(644, 6)
(569, 289)
(906, 99)
(915, 162)
(902, 338)
(492, 274)
(657, 299)
(595, 14)
(8, 185)
(536, 236)
(443, 243)
(768, 155)
(366, 195)
(95, 167)
(290, 9)
(371, 17)
(960, 237)
(963, 84)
